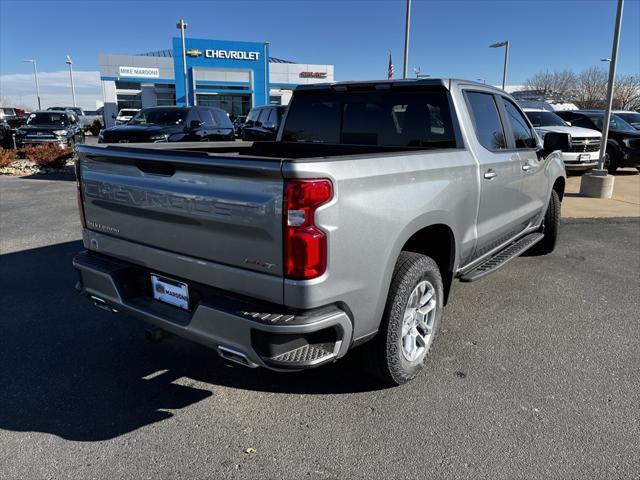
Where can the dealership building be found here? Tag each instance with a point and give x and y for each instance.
(234, 76)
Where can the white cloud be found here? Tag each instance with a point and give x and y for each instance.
(18, 89)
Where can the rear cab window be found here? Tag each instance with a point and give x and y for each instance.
(486, 120)
(401, 118)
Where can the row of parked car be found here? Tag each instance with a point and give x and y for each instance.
(64, 125)
(584, 127)
(192, 124)
(67, 125)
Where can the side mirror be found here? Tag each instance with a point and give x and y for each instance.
(195, 124)
(269, 126)
(556, 141)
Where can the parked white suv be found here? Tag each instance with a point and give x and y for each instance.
(125, 115)
(584, 151)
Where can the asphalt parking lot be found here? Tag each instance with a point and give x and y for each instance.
(536, 374)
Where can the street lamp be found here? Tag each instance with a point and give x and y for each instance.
(506, 59)
(73, 91)
(605, 59)
(35, 74)
(182, 26)
(407, 26)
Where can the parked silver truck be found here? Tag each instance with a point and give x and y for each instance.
(347, 230)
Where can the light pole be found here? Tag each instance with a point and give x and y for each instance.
(35, 74)
(610, 84)
(73, 90)
(407, 27)
(182, 26)
(504, 44)
(597, 183)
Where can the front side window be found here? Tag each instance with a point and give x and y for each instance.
(420, 119)
(486, 119)
(523, 136)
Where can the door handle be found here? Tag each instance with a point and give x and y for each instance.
(489, 174)
(526, 167)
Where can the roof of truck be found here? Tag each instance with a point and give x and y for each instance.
(381, 84)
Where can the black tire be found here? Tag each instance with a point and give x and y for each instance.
(550, 228)
(383, 355)
(611, 162)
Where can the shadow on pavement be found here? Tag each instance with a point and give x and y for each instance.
(72, 370)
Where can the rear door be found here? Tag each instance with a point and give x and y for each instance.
(201, 207)
(501, 199)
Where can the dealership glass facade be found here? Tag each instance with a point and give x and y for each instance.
(234, 76)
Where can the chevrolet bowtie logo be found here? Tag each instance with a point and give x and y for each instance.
(194, 52)
(586, 142)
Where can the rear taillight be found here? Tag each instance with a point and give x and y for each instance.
(79, 194)
(305, 245)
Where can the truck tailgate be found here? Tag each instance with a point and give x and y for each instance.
(226, 210)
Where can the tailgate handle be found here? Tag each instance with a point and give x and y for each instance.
(157, 168)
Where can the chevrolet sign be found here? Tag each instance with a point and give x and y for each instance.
(231, 54)
(194, 52)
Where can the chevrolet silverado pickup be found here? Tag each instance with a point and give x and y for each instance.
(347, 230)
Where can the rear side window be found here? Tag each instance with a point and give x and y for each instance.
(396, 118)
(522, 134)
(486, 120)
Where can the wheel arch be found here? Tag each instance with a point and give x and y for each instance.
(438, 242)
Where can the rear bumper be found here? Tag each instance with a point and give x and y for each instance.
(247, 331)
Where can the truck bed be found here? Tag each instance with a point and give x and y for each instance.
(294, 151)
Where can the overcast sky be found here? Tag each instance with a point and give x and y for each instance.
(448, 38)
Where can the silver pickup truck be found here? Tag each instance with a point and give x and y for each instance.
(347, 230)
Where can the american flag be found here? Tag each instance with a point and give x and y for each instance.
(390, 71)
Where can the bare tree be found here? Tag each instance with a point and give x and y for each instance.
(559, 83)
(627, 92)
(591, 88)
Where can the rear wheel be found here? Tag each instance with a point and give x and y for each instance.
(410, 322)
(550, 227)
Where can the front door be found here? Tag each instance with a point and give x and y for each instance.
(533, 183)
(501, 198)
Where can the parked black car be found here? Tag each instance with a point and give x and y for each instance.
(172, 124)
(61, 127)
(263, 122)
(623, 144)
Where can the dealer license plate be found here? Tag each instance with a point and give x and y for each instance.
(584, 157)
(170, 291)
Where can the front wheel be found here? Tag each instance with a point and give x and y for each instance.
(611, 160)
(410, 322)
(550, 227)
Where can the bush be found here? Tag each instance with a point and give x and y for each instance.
(6, 157)
(46, 155)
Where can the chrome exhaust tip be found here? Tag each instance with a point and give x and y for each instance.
(235, 356)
